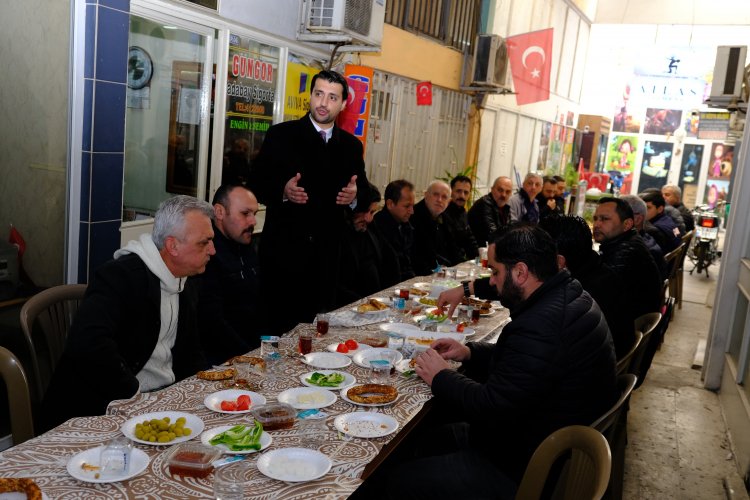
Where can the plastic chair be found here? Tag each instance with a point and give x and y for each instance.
(19, 400)
(584, 477)
(54, 310)
(614, 426)
(644, 354)
(624, 363)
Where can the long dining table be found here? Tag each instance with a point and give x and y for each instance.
(44, 458)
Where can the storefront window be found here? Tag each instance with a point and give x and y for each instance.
(167, 102)
(251, 94)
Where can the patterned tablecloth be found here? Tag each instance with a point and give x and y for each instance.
(44, 458)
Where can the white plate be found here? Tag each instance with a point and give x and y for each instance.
(294, 464)
(461, 274)
(363, 358)
(265, 440)
(385, 301)
(399, 328)
(138, 463)
(291, 397)
(370, 405)
(425, 287)
(365, 424)
(327, 360)
(416, 336)
(360, 347)
(213, 401)
(195, 424)
(349, 379)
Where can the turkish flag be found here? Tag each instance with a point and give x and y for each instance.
(348, 117)
(530, 58)
(424, 94)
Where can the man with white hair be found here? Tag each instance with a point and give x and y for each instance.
(673, 196)
(136, 329)
(523, 204)
(434, 243)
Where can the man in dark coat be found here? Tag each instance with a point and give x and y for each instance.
(371, 265)
(491, 212)
(657, 216)
(546, 199)
(308, 173)
(434, 243)
(135, 330)
(624, 252)
(229, 310)
(553, 366)
(524, 206)
(392, 224)
(458, 220)
(673, 196)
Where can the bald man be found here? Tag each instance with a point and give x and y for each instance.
(434, 242)
(491, 212)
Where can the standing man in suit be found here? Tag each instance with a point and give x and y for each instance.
(310, 174)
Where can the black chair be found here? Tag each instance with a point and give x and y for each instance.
(677, 292)
(614, 426)
(653, 326)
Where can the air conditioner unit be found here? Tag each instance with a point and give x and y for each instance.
(729, 70)
(356, 21)
(490, 65)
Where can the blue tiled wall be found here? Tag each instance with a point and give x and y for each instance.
(103, 142)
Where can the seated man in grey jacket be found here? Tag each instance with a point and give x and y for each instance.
(553, 366)
(135, 330)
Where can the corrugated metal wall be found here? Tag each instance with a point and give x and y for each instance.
(417, 143)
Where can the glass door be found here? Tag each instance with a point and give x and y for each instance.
(167, 123)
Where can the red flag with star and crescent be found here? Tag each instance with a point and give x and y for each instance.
(530, 58)
(424, 94)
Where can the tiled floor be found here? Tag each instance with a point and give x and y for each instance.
(678, 447)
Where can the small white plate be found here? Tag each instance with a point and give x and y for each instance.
(192, 422)
(363, 358)
(349, 379)
(213, 401)
(294, 464)
(292, 398)
(138, 463)
(385, 301)
(369, 405)
(366, 424)
(461, 274)
(327, 360)
(425, 287)
(399, 328)
(360, 347)
(265, 440)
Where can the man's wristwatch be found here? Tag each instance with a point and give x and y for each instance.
(467, 291)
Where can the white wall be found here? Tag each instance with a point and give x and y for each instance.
(685, 12)
(34, 58)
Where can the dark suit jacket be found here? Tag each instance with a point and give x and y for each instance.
(434, 242)
(300, 245)
(113, 336)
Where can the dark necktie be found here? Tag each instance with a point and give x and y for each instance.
(323, 135)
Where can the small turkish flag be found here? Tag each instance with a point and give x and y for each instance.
(530, 57)
(424, 94)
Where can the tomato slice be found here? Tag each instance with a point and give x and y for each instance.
(351, 344)
(342, 348)
(228, 406)
(460, 328)
(243, 399)
(244, 406)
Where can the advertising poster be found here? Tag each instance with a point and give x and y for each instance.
(692, 156)
(657, 158)
(543, 146)
(662, 121)
(621, 160)
(692, 123)
(356, 115)
(297, 93)
(713, 126)
(716, 191)
(720, 166)
(251, 95)
(554, 152)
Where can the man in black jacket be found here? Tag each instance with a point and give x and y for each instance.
(491, 212)
(229, 306)
(624, 252)
(135, 330)
(673, 196)
(434, 243)
(371, 264)
(309, 173)
(455, 215)
(392, 223)
(553, 366)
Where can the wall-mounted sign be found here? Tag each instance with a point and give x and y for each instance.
(713, 126)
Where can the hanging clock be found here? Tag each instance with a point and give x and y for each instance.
(140, 68)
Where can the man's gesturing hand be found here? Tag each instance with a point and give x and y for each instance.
(293, 192)
(348, 193)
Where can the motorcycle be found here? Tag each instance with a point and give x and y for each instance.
(705, 246)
